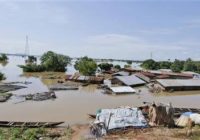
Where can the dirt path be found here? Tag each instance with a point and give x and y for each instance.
(81, 132)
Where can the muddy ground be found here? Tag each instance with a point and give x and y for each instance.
(81, 132)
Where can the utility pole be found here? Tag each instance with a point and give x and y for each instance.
(151, 55)
(26, 47)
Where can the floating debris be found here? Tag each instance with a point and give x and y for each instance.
(9, 87)
(5, 96)
(36, 97)
(24, 82)
(62, 87)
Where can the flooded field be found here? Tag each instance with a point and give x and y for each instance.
(73, 106)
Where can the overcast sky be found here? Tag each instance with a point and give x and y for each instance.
(102, 29)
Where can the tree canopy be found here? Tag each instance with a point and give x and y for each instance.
(177, 66)
(2, 76)
(31, 59)
(150, 64)
(129, 62)
(55, 62)
(189, 65)
(3, 57)
(117, 67)
(50, 61)
(105, 66)
(86, 66)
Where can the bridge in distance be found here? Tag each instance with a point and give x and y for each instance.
(76, 58)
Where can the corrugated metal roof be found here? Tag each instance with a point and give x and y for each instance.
(143, 77)
(179, 82)
(121, 89)
(130, 80)
(122, 73)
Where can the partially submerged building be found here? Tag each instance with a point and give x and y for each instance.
(120, 90)
(85, 79)
(179, 84)
(130, 80)
(121, 73)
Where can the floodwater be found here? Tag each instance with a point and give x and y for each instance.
(73, 106)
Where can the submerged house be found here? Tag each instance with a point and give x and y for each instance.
(120, 90)
(130, 80)
(121, 73)
(85, 79)
(179, 84)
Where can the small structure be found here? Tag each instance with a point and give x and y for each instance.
(131, 80)
(85, 79)
(179, 84)
(62, 87)
(143, 77)
(120, 90)
(194, 74)
(119, 118)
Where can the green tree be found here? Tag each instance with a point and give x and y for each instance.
(198, 67)
(105, 66)
(189, 65)
(150, 64)
(31, 59)
(165, 64)
(55, 62)
(177, 66)
(32, 68)
(2, 76)
(3, 57)
(117, 67)
(127, 66)
(86, 66)
(129, 62)
(50, 61)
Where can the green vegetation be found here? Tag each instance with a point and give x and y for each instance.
(31, 60)
(150, 64)
(129, 62)
(21, 133)
(2, 77)
(127, 66)
(50, 61)
(176, 66)
(105, 66)
(117, 67)
(3, 57)
(86, 66)
(32, 68)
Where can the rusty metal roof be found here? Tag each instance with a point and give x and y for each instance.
(179, 82)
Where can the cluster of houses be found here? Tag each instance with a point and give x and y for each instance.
(126, 79)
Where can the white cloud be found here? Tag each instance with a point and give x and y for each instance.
(131, 47)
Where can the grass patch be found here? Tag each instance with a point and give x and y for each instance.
(21, 133)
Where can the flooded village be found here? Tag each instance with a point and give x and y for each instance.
(99, 70)
(103, 105)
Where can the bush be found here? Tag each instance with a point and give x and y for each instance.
(50, 61)
(55, 62)
(32, 68)
(3, 57)
(2, 76)
(150, 64)
(177, 66)
(105, 66)
(117, 67)
(86, 66)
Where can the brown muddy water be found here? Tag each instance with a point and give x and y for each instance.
(73, 106)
